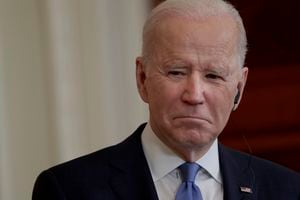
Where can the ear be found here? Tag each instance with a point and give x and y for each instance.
(141, 77)
(241, 86)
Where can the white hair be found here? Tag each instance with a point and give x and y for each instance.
(194, 10)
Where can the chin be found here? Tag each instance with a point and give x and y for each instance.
(196, 137)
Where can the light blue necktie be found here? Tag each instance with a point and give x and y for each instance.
(188, 190)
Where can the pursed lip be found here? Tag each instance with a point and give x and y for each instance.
(196, 118)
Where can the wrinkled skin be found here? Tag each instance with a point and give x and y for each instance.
(190, 81)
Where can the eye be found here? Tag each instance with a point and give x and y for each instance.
(176, 73)
(213, 76)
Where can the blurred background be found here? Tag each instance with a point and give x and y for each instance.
(67, 83)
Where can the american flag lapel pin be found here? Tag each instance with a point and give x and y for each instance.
(246, 189)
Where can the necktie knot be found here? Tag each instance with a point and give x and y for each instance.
(189, 171)
(188, 190)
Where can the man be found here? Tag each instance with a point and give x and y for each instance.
(191, 75)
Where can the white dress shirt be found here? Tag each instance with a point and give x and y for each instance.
(163, 163)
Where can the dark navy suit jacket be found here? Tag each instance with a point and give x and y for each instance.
(121, 172)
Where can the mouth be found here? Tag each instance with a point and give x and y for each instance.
(192, 118)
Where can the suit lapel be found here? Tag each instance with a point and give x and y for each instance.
(130, 175)
(238, 177)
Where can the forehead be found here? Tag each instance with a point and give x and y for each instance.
(213, 35)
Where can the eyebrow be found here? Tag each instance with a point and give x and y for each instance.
(213, 67)
(218, 70)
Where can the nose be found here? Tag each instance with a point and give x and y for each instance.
(194, 90)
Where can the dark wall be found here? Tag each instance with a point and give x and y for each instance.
(269, 116)
(267, 122)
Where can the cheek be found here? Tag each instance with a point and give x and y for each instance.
(163, 98)
(220, 101)
(162, 90)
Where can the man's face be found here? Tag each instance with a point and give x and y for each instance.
(191, 80)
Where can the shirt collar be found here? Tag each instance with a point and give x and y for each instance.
(163, 160)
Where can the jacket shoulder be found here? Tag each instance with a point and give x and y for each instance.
(86, 173)
(100, 159)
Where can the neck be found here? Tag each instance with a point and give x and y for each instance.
(191, 154)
